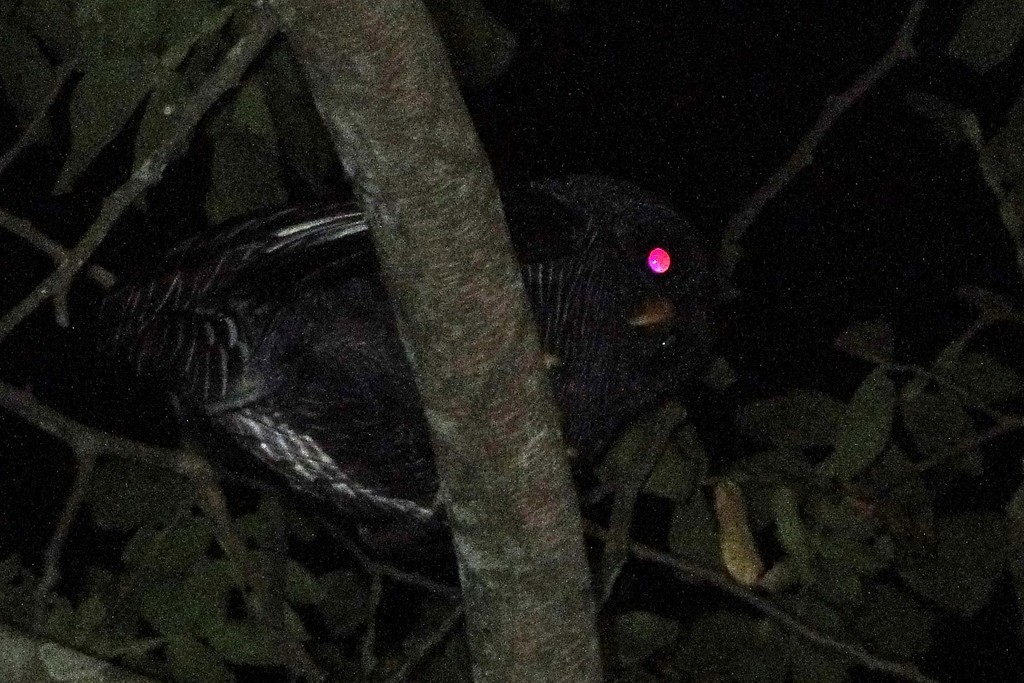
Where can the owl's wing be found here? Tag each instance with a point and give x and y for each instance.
(296, 454)
(193, 326)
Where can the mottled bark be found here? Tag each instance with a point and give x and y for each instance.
(383, 85)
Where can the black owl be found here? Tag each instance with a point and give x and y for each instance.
(276, 339)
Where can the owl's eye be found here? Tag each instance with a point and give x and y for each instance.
(658, 260)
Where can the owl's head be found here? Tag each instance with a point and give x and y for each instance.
(622, 295)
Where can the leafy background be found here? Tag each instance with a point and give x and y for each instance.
(852, 457)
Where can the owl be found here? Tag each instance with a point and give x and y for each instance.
(276, 341)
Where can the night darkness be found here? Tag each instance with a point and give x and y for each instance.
(698, 103)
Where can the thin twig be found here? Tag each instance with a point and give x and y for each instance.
(658, 428)
(695, 573)
(368, 648)
(214, 505)
(24, 229)
(30, 134)
(85, 439)
(261, 29)
(426, 645)
(994, 176)
(86, 463)
(835, 106)
(959, 448)
(375, 567)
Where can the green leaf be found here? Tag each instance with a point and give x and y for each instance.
(763, 471)
(848, 554)
(244, 643)
(870, 341)
(110, 27)
(169, 551)
(814, 666)
(986, 377)
(632, 459)
(937, 422)
(819, 615)
(865, 428)
(292, 626)
(956, 124)
(894, 625)
(182, 22)
(244, 175)
(346, 602)
(205, 594)
(692, 533)
(164, 606)
(450, 665)
(719, 375)
(733, 645)
(258, 527)
(250, 112)
(641, 634)
(25, 72)
(840, 587)
(840, 518)
(193, 662)
(1015, 520)
(678, 471)
(636, 451)
(791, 532)
(60, 620)
(305, 144)
(53, 22)
(89, 616)
(479, 47)
(988, 34)
(10, 569)
(101, 104)
(302, 587)
(798, 420)
(970, 554)
(125, 496)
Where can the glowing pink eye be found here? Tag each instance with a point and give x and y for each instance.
(659, 260)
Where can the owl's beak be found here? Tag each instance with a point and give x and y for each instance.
(653, 312)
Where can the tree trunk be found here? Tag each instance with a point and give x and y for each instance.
(383, 85)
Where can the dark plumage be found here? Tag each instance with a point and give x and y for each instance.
(276, 339)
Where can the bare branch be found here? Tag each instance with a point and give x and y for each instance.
(425, 646)
(377, 568)
(51, 570)
(257, 34)
(83, 439)
(691, 572)
(31, 234)
(835, 106)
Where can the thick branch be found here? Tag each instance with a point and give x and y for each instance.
(384, 88)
